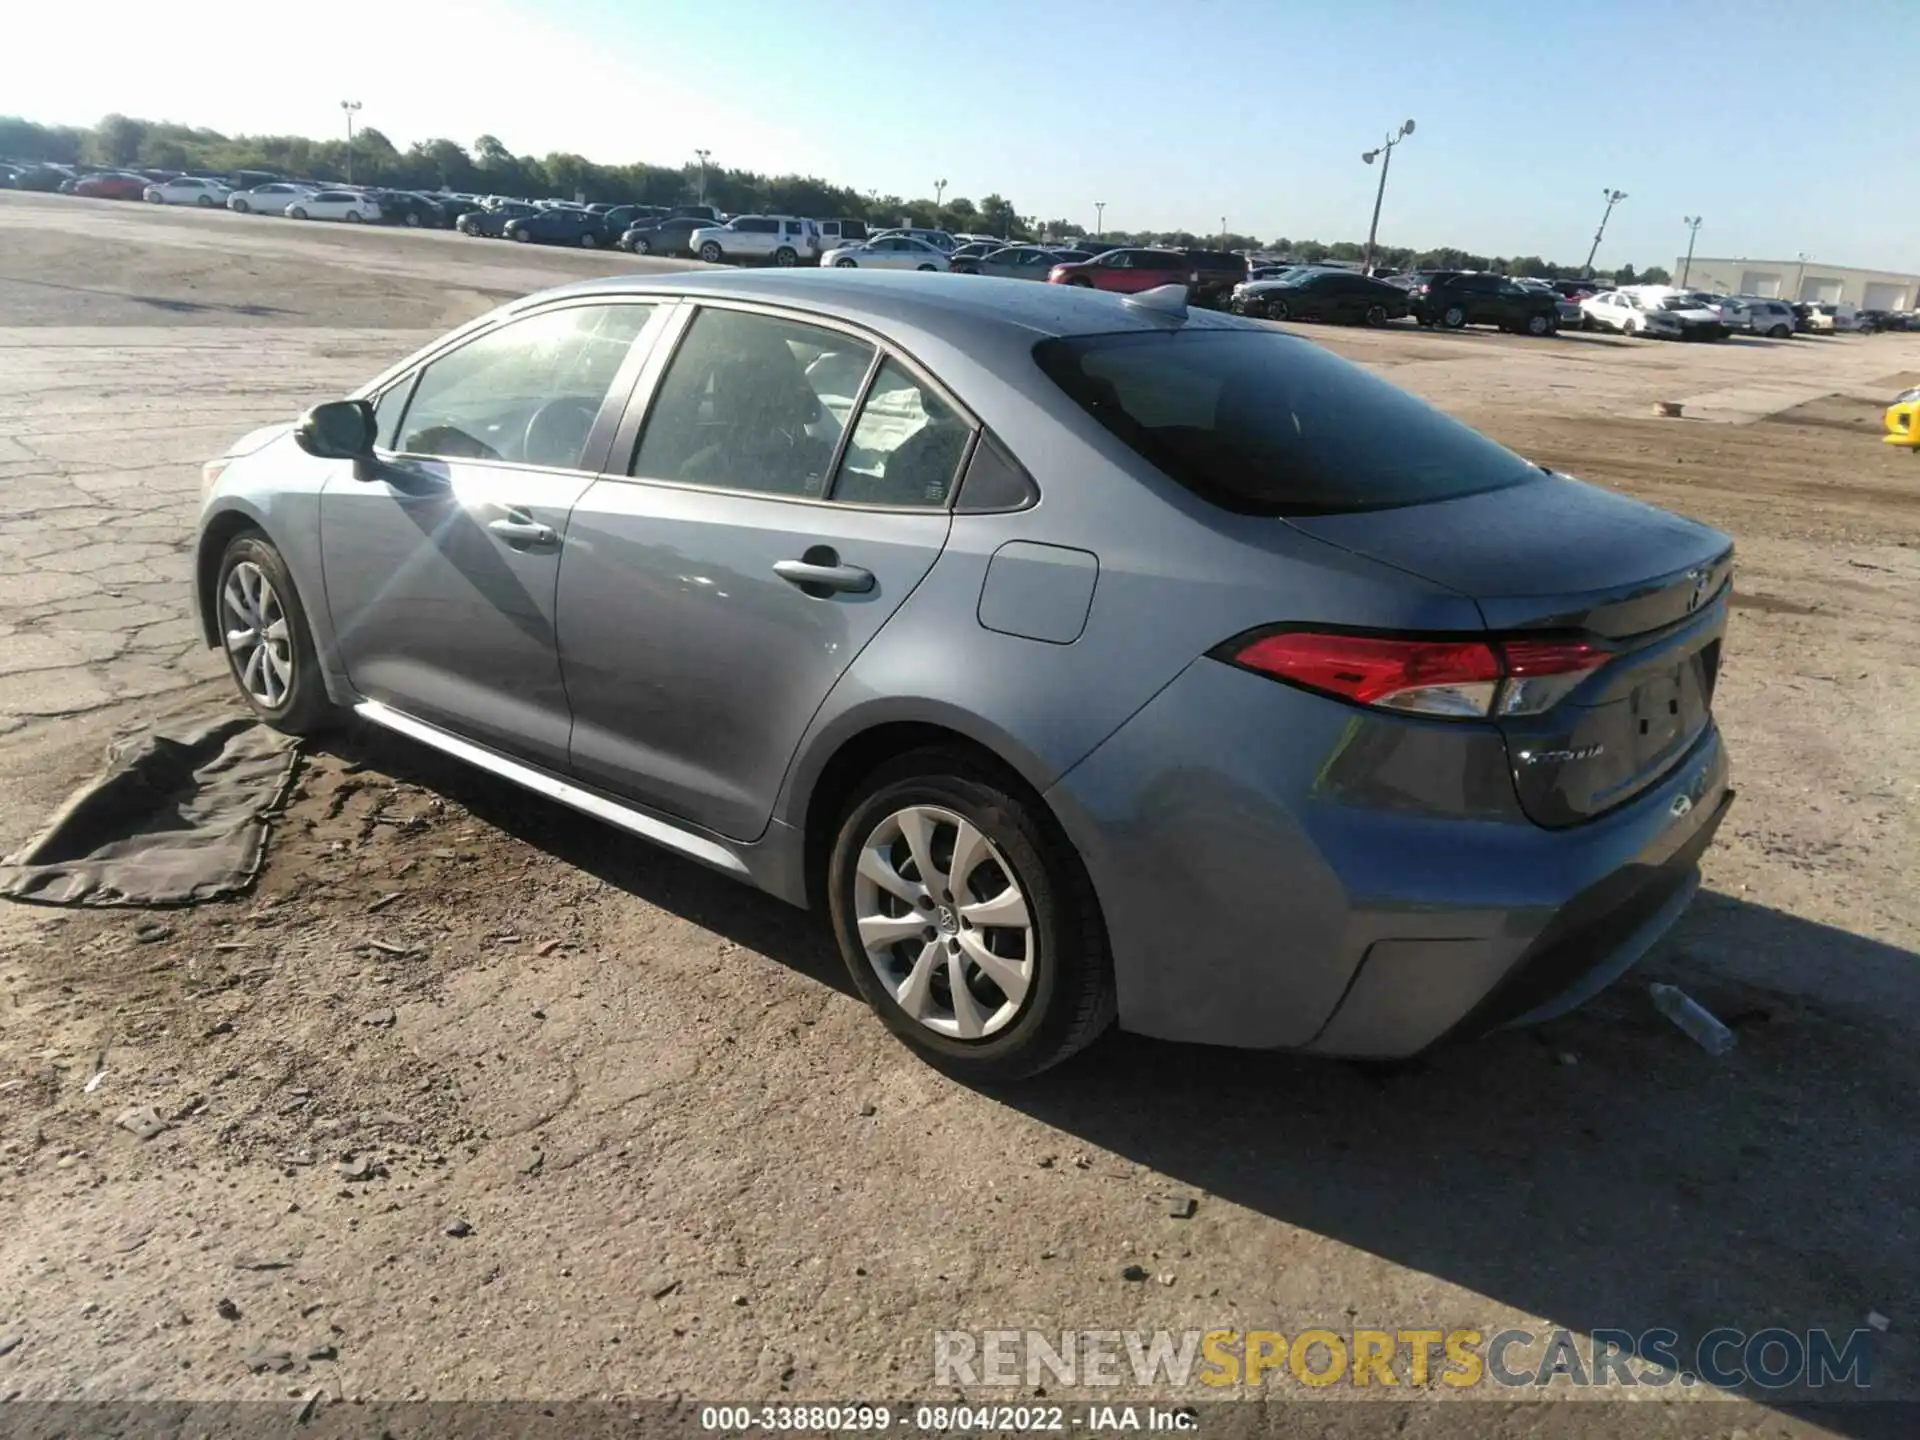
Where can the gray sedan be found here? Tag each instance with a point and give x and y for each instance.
(1025, 262)
(1079, 657)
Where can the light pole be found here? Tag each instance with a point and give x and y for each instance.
(1692, 222)
(939, 193)
(1800, 276)
(1385, 153)
(1223, 232)
(702, 157)
(349, 106)
(1614, 197)
(1099, 218)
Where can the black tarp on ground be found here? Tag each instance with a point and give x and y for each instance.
(172, 819)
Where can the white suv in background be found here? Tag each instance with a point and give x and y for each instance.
(783, 239)
(1772, 318)
(1833, 316)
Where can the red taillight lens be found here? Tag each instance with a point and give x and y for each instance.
(1471, 679)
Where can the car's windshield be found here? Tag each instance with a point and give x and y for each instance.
(1266, 424)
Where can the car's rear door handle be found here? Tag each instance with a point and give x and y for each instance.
(808, 575)
(519, 530)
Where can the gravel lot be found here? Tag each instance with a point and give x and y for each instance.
(691, 1163)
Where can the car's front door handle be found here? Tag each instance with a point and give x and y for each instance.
(809, 575)
(516, 530)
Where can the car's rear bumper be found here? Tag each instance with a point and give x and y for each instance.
(1277, 869)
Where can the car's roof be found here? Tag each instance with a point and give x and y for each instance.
(955, 309)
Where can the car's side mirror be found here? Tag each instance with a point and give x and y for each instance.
(338, 430)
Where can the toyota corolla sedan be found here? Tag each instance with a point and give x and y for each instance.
(1077, 657)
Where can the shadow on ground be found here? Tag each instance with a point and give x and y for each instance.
(170, 304)
(1600, 1171)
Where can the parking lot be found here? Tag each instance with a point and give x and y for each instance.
(690, 1161)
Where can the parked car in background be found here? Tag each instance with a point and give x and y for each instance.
(841, 232)
(1657, 317)
(48, 178)
(1213, 274)
(1022, 262)
(1126, 271)
(970, 250)
(1839, 315)
(557, 226)
(348, 205)
(491, 220)
(886, 252)
(1568, 310)
(189, 190)
(112, 185)
(1340, 296)
(1450, 299)
(1760, 316)
(781, 239)
(271, 198)
(939, 239)
(409, 208)
(616, 220)
(709, 213)
(671, 236)
(1462, 704)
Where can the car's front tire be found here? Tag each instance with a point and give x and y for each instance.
(205, 202)
(353, 217)
(263, 632)
(240, 206)
(1539, 325)
(785, 257)
(710, 252)
(1779, 332)
(967, 921)
(641, 247)
(1453, 317)
(587, 242)
(846, 263)
(297, 213)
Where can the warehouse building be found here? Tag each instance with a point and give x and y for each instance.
(1813, 281)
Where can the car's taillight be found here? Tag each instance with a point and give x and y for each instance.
(1471, 679)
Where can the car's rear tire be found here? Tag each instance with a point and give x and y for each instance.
(1279, 310)
(1018, 956)
(923, 267)
(710, 252)
(846, 263)
(517, 234)
(353, 217)
(1453, 317)
(263, 633)
(1779, 332)
(587, 242)
(240, 206)
(205, 202)
(410, 219)
(1539, 325)
(785, 257)
(1376, 316)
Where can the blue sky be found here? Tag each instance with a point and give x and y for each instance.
(1785, 123)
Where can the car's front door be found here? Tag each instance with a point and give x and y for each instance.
(440, 560)
(785, 494)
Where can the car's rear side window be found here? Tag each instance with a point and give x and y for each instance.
(1266, 424)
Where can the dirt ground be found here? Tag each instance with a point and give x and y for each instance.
(686, 1162)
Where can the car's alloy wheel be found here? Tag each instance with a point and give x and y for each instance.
(587, 242)
(1453, 317)
(1537, 325)
(1279, 310)
(710, 253)
(1376, 315)
(240, 205)
(1778, 332)
(205, 202)
(844, 263)
(409, 218)
(263, 631)
(966, 920)
(641, 247)
(353, 217)
(923, 267)
(297, 213)
(517, 234)
(784, 256)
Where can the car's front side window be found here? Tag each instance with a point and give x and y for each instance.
(752, 402)
(527, 392)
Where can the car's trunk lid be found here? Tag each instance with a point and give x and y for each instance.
(1558, 557)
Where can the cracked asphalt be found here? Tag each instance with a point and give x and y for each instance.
(471, 1098)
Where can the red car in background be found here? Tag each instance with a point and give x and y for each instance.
(1126, 271)
(113, 186)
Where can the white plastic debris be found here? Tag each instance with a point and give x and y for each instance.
(1879, 1321)
(1694, 1020)
(93, 1084)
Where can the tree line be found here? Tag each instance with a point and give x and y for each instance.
(488, 167)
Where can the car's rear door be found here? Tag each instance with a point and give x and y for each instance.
(440, 560)
(786, 489)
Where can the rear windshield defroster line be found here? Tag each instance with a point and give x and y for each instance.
(1262, 423)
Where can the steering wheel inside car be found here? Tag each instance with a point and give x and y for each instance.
(557, 432)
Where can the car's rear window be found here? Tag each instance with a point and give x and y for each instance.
(1266, 424)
